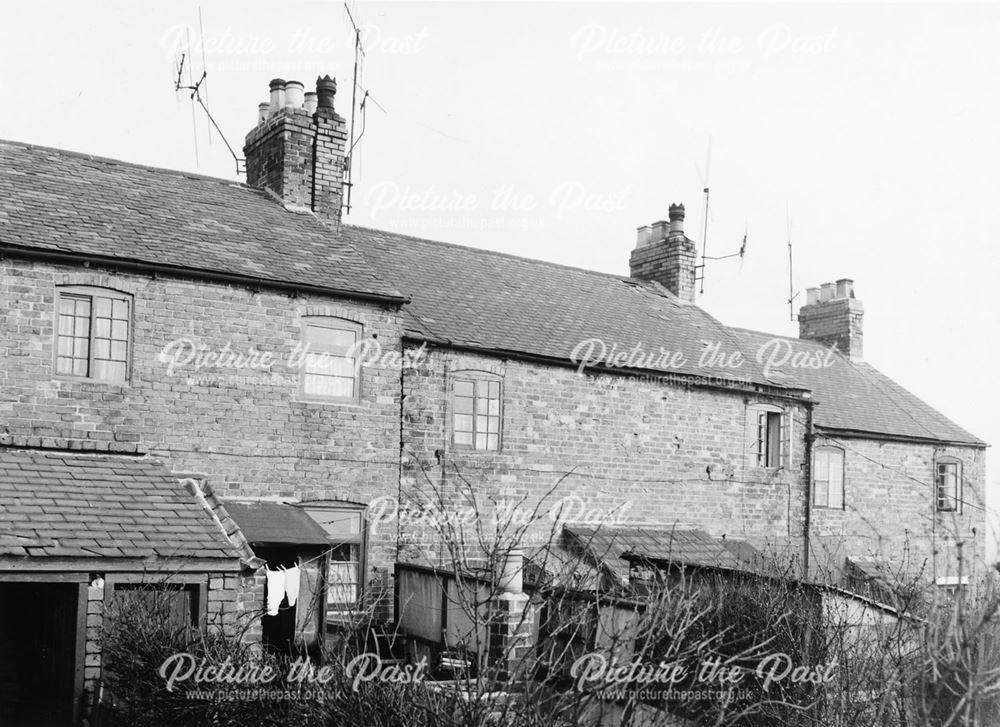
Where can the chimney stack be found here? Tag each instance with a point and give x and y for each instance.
(297, 149)
(833, 316)
(664, 254)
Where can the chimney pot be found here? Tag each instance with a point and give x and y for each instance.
(833, 316)
(263, 111)
(663, 254)
(659, 230)
(293, 95)
(326, 89)
(309, 101)
(677, 219)
(642, 236)
(277, 96)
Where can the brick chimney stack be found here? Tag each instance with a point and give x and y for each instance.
(297, 150)
(832, 316)
(663, 253)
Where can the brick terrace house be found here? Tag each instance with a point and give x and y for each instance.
(159, 411)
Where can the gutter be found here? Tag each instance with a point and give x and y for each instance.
(139, 266)
(881, 436)
(683, 379)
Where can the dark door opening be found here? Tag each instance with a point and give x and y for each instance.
(38, 630)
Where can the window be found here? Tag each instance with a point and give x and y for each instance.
(828, 477)
(92, 333)
(330, 367)
(768, 444)
(176, 605)
(344, 524)
(948, 481)
(476, 423)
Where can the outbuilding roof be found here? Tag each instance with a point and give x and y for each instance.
(61, 505)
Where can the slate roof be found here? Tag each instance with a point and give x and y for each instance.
(691, 547)
(60, 505)
(272, 523)
(62, 201)
(854, 396)
(475, 298)
(465, 297)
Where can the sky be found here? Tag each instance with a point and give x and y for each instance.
(864, 133)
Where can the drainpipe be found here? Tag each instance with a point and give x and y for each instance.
(810, 438)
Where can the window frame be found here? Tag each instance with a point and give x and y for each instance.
(197, 583)
(763, 440)
(93, 293)
(477, 379)
(338, 615)
(958, 493)
(843, 478)
(336, 324)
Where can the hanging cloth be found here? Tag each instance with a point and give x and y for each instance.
(292, 576)
(275, 590)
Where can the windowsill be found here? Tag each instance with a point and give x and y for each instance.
(325, 401)
(472, 450)
(87, 380)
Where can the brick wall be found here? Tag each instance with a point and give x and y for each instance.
(247, 438)
(636, 452)
(890, 510)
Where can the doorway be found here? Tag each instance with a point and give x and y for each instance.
(38, 653)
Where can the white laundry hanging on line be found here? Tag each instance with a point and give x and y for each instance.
(292, 577)
(275, 590)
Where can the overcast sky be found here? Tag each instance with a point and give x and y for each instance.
(554, 130)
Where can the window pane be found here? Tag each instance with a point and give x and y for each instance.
(102, 307)
(822, 493)
(480, 441)
(65, 325)
(481, 424)
(79, 367)
(119, 309)
(463, 405)
(482, 405)
(494, 390)
(463, 437)
(464, 388)
(492, 441)
(323, 338)
(463, 423)
(329, 365)
(836, 479)
(494, 408)
(119, 330)
(118, 350)
(81, 326)
(109, 370)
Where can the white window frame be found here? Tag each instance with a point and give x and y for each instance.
(338, 611)
(770, 449)
(956, 498)
(92, 294)
(336, 324)
(829, 502)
